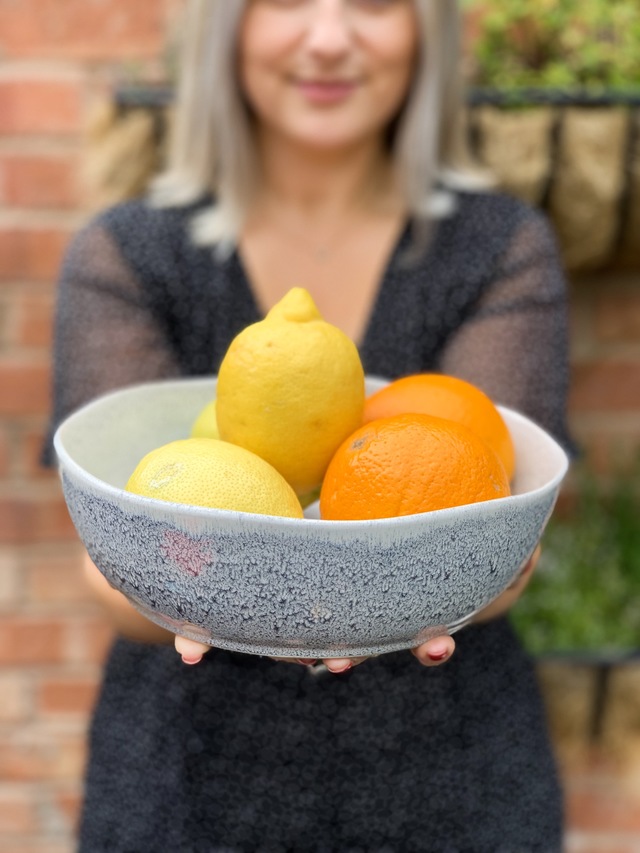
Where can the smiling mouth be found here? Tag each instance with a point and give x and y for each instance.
(325, 91)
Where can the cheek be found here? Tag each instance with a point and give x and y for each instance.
(263, 45)
(395, 53)
(394, 82)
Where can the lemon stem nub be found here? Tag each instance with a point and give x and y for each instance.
(297, 307)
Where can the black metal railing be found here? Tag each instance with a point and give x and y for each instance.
(160, 96)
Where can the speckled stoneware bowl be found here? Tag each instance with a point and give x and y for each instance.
(290, 587)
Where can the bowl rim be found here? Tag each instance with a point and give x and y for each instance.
(282, 523)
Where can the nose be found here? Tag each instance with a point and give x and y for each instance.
(329, 30)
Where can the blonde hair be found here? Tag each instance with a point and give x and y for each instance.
(212, 148)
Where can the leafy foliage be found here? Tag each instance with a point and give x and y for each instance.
(566, 44)
(585, 594)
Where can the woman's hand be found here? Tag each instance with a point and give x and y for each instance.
(513, 592)
(434, 652)
(431, 653)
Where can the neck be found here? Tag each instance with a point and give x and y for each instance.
(322, 184)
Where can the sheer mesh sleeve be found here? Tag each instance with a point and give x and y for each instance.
(106, 334)
(514, 344)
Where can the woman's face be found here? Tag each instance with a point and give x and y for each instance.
(327, 73)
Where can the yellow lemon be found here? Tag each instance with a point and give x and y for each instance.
(206, 472)
(206, 425)
(291, 389)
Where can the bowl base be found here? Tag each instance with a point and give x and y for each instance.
(202, 635)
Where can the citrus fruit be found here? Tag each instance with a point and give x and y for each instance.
(407, 464)
(210, 473)
(206, 425)
(446, 397)
(291, 389)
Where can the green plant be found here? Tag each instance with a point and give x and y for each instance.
(585, 594)
(567, 44)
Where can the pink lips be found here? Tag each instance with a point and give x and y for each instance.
(325, 91)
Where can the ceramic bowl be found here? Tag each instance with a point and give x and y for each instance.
(290, 587)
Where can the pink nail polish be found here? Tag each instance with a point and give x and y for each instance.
(191, 661)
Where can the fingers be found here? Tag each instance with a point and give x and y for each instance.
(503, 603)
(435, 651)
(524, 575)
(337, 665)
(190, 651)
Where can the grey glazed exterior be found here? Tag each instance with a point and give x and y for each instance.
(290, 587)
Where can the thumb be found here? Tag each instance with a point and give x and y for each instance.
(190, 651)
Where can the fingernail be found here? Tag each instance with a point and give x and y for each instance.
(307, 661)
(436, 656)
(342, 669)
(191, 661)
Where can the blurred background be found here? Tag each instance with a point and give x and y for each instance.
(554, 110)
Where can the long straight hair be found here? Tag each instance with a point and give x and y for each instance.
(212, 148)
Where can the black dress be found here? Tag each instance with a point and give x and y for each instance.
(242, 753)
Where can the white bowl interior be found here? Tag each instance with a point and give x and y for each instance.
(108, 437)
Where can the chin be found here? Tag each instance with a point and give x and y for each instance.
(325, 138)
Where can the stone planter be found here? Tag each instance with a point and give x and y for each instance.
(126, 147)
(592, 700)
(577, 157)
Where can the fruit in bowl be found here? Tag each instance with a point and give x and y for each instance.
(408, 464)
(445, 397)
(289, 586)
(207, 472)
(291, 389)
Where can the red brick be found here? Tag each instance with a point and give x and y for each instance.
(41, 755)
(46, 844)
(617, 316)
(56, 578)
(32, 321)
(39, 181)
(601, 842)
(89, 640)
(42, 845)
(605, 387)
(76, 29)
(4, 453)
(60, 810)
(609, 448)
(67, 695)
(11, 582)
(67, 805)
(15, 706)
(40, 105)
(18, 811)
(25, 387)
(32, 520)
(32, 254)
(603, 807)
(31, 447)
(31, 640)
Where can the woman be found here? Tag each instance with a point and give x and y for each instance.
(316, 142)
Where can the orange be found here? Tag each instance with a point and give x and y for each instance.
(408, 464)
(446, 397)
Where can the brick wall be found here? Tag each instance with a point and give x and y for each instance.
(605, 355)
(56, 56)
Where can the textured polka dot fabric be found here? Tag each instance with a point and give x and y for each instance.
(242, 753)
